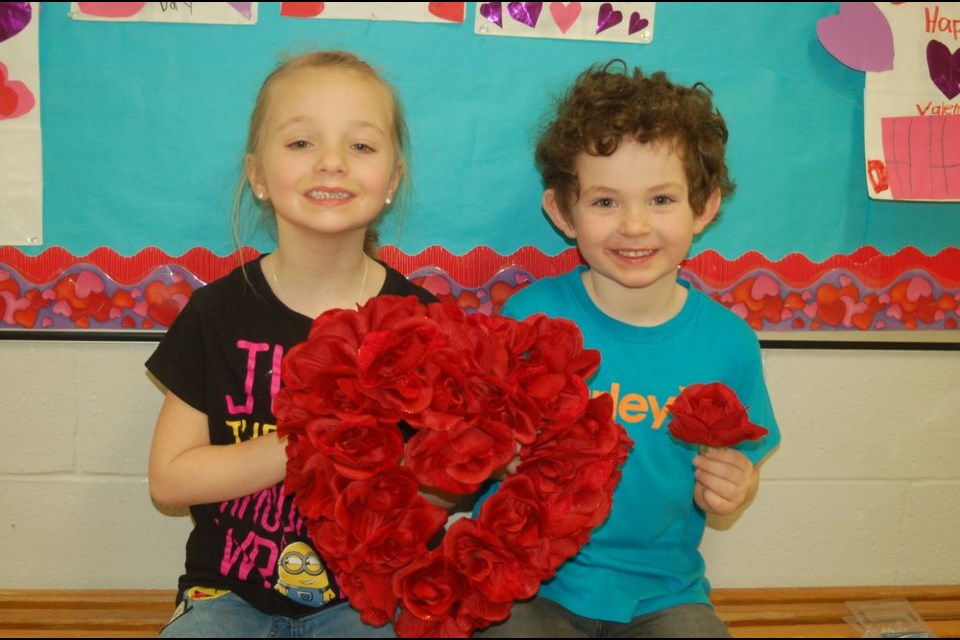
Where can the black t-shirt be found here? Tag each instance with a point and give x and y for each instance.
(222, 356)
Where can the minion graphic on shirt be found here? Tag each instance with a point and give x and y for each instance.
(302, 576)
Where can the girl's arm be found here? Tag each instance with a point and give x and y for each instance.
(185, 469)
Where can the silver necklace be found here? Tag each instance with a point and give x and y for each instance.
(363, 283)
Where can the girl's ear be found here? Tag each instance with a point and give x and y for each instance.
(710, 211)
(395, 180)
(257, 185)
(554, 212)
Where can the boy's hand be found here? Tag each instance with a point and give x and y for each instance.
(726, 480)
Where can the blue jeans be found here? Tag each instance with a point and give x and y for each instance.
(229, 616)
(542, 618)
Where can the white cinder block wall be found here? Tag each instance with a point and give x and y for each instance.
(864, 491)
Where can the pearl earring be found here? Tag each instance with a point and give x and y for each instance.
(389, 201)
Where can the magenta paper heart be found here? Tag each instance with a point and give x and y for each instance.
(15, 98)
(607, 17)
(526, 12)
(636, 23)
(944, 68)
(565, 16)
(14, 17)
(492, 11)
(859, 37)
(243, 8)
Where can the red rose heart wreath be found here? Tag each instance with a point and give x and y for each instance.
(473, 388)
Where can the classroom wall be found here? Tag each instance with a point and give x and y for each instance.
(865, 491)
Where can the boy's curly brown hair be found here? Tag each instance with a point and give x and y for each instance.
(607, 104)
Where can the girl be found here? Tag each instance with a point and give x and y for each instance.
(325, 158)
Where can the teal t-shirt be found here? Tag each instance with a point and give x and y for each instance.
(646, 556)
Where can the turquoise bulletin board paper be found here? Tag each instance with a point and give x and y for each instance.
(143, 127)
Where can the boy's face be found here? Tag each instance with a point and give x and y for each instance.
(633, 221)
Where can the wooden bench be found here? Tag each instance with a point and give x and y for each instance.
(750, 613)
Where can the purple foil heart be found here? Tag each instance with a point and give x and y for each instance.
(14, 16)
(492, 11)
(243, 8)
(608, 17)
(636, 23)
(944, 68)
(526, 12)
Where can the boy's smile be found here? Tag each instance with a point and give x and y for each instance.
(632, 221)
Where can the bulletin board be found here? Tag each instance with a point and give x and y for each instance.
(143, 120)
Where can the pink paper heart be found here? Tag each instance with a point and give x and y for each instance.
(565, 16)
(111, 9)
(607, 17)
(764, 286)
(14, 17)
(636, 23)
(918, 288)
(944, 68)
(526, 12)
(492, 11)
(859, 37)
(86, 283)
(15, 98)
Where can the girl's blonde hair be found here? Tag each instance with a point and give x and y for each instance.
(344, 60)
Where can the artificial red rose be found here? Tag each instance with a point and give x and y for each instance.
(488, 565)
(459, 461)
(559, 396)
(367, 506)
(711, 415)
(453, 404)
(429, 588)
(514, 512)
(502, 402)
(559, 348)
(358, 446)
(389, 365)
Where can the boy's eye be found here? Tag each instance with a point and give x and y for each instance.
(661, 200)
(603, 202)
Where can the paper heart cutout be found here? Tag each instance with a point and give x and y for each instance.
(525, 12)
(111, 9)
(565, 15)
(859, 37)
(14, 17)
(636, 23)
(492, 11)
(764, 286)
(918, 288)
(452, 11)
(243, 8)
(944, 68)
(607, 17)
(301, 9)
(15, 98)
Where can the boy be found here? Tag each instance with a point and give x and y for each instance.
(633, 168)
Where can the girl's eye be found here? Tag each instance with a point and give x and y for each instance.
(362, 147)
(299, 144)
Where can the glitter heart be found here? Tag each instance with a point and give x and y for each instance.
(14, 17)
(526, 12)
(492, 11)
(944, 68)
(636, 23)
(608, 17)
(565, 16)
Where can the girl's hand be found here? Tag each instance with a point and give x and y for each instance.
(726, 480)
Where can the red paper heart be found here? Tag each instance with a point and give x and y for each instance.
(301, 9)
(452, 11)
(111, 9)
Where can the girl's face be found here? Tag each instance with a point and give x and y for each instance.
(327, 159)
(633, 221)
